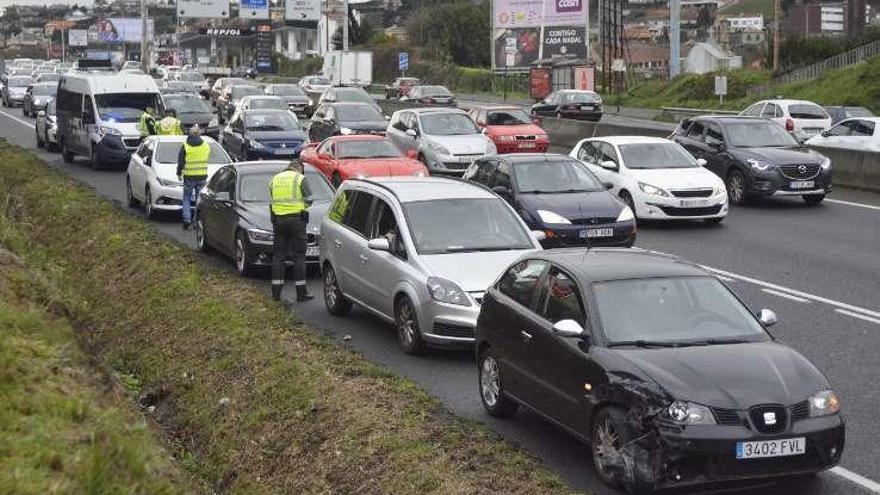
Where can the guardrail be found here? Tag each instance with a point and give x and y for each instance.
(691, 112)
(839, 61)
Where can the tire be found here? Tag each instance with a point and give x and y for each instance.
(149, 212)
(336, 180)
(201, 240)
(714, 221)
(627, 198)
(336, 302)
(130, 199)
(40, 142)
(558, 114)
(243, 264)
(813, 199)
(66, 154)
(492, 387)
(736, 188)
(406, 322)
(610, 430)
(96, 164)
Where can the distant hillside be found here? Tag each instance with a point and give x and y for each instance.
(750, 7)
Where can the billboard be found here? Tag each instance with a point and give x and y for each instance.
(535, 13)
(254, 9)
(302, 10)
(119, 30)
(561, 42)
(78, 37)
(523, 29)
(203, 8)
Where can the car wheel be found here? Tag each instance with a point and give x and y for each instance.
(714, 221)
(491, 387)
(611, 438)
(813, 199)
(96, 165)
(558, 114)
(736, 187)
(627, 198)
(149, 211)
(40, 142)
(407, 324)
(66, 154)
(336, 180)
(201, 240)
(337, 304)
(243, 264)
(129, 196)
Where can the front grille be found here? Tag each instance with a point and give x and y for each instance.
(800, 172)
(800, 411)
(448, 330)
(693, 193)
(284, 144)
(594, 221)
(673, 211)
(526, 138)
(727, 417)
(759, 417)
(456, 165)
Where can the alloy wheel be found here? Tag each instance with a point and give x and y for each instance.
(331, 289)
(606, 447)
(406, 323)
(201, 242)
(148, 205)
(490, 382)
(736, 187)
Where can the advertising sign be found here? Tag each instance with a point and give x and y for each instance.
(119, 30)
(565, 42)
(534, 13)
(585, 78)
(78, 37)
(254, 9)
(515, 47)
(203, 8)
(263, 48)
(302, 10)
(517, 40)
(221, 31)
(539, 82)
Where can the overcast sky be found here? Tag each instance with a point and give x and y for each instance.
(7, 3)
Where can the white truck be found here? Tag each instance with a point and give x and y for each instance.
(348, 68)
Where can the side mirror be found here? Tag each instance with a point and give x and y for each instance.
(767, 317)
(41, 113)
(610, 165)
(702, 162)
(608, 185)
(538, 235)
(379, 244)
(825, 133)
(222, 197)
(568, 329)
(148, 160)
(412, 133)
(413, 154)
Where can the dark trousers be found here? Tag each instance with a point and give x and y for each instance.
(290, 242)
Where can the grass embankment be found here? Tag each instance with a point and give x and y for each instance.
(64, 428)
(249, 400)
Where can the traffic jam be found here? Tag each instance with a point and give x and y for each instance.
(461, 229)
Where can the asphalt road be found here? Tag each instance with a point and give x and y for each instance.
(818, 268)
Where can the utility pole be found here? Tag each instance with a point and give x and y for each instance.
(177, 34)
(776, 35)
(345, 27)
(674, 38)
(145, 49)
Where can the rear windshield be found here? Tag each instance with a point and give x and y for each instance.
(45, 89)
(356, 95)
(357, 113)
(435, 91)
(287, 90)
(19, 82)
(242, 91)
(579, 97)
(806, 111)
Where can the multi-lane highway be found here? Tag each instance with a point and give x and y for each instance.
(819, 268)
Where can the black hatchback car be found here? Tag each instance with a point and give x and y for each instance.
(559, 196)
(570, 104)
(233, 213)
(756, 158)
(657, 365)
(334, 119)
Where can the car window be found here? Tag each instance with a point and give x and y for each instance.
(217, 178)
(502, 176)
(384, 225)
(607, 153)
(483, 170)
(754, 110)
(770, 111)
(588, 153)
(864, 128)
(551, 98)
(326, 147)
(843, 129)
(358, 211)
(714, 135)
(563, 301)
(222, 180)
(807, 111)
(695, 131)
(521, 280)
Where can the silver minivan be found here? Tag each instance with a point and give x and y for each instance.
(419, 252)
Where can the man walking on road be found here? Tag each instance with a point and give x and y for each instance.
(147, 124)
(169, 125)
(289, 202)
(192, 168)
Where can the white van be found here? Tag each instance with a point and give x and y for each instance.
(98, 115)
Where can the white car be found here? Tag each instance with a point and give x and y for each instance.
(656, 177)
(803, 119)
(152, 180)
(860, 134)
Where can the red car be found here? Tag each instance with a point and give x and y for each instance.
(511, 129)
(360, 155)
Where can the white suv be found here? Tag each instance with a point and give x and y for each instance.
(419, 252)
(803, 119)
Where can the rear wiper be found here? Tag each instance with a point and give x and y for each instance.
(644, 343)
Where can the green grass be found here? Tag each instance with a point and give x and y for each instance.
(751, 7)
(250, 400)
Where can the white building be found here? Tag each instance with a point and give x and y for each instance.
(745, 23)
(709, 57)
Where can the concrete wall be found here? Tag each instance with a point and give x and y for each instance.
(854, 168)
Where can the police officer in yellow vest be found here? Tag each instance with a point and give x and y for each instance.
(147, 123)
(169, 125)
(192, 168)
(289, 195)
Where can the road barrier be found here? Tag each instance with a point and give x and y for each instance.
(860, 169)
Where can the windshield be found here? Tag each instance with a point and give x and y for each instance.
(19, 82)
(184, 105)
(242, 91)
(807, 111)
(656, 155)
(408, 82)
(287, 90)
(190, 77)
(355, 95)
(167, 153)
(555, 177)
(357, 113)
(45, 89)
(579, 97)
(508, 117)
(373, 148)
(267, 104)
(318, 81)
(758, 135)
(255, 187)
(50, 77)
(448, 124)
(182, 85)
(124, 107)
(270, 121)
(434, 91)
(673, 310)
(463, 225)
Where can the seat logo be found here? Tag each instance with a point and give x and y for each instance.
(769, 418)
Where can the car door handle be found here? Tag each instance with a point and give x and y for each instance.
(526, 336)
(337, 243)
(364, 259)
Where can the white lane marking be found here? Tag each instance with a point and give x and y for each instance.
(858, 479)
(850, 203)
(805, 295)
(20, 121)
(726, 279)
(857, 315)
(785, 295)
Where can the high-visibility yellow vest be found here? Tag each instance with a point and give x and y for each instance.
(286, 193)
(196, 165)
(169, 126)
(142, 124)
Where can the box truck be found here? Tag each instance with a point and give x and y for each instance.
(349, 68)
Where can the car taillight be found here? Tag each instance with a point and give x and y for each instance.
(789, 125)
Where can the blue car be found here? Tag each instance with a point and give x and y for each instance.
(263, 135)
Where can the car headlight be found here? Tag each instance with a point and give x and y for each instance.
(345, 131)
(551, 217)
(438, 148)
(758, 164)
(255, 145)
(719, 189)
(445, 291)
(213, 122)
(826, 163)
(108, 131)
(260, 235)
(168, 182)
(626, 215)
(824, 403)
(507, 138)
(653, 190)
(688, 413)
(311, 102)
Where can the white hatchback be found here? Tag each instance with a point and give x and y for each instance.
(803, 119)
(656, 177)
(858, 134)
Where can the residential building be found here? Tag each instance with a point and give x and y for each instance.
(649, 59)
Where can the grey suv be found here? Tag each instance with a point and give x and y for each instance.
(419, 252)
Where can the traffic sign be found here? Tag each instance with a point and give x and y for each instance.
(403, 61)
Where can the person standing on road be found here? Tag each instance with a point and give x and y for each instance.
(288, 207)
(169, 125)
(147, 124)
(192, 169)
